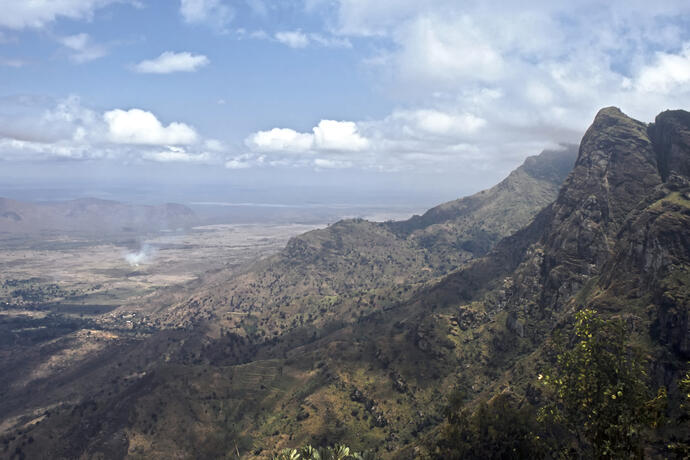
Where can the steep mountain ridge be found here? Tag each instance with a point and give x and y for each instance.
(476, 223)
(571, 239)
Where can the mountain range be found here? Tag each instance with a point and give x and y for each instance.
(360, 332)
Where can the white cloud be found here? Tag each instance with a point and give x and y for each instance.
(169, 62)
(34, 128)
(214, 13)
(84, 48)
(331, 135)
(21, 14)
(280, 140)
(437, 49)
(327, 136)
(667, 73)
(136, 126)
(293, 39)
(436, 122)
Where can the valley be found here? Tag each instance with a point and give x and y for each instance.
(83, 274)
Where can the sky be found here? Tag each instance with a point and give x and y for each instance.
(332, 100)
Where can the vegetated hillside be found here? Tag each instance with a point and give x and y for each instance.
(91, 215)
(475, 224)
(615, 239)
(355, 266)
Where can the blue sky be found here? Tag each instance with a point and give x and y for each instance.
(431, 99)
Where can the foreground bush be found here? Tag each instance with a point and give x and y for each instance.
(338, 452)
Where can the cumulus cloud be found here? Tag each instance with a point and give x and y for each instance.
(327, 136)
(37, 13)
(169, 62)
(214, 13)
(331, 135)
(136, 126)
(38, 129)
(83, 47)
(280, 140)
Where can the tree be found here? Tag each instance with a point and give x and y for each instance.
(680, 441)
(502, 428)
(599, 390)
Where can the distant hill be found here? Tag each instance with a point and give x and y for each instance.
(91, 215)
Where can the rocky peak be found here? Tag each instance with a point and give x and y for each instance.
(670, 134)
(616, 167)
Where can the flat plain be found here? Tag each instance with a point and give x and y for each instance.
(76, 274)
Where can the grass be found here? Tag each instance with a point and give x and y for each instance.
(674, 198)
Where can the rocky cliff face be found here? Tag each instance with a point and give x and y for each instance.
(620, 221)
(671, 138)
(615, 169)
(623, 216)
